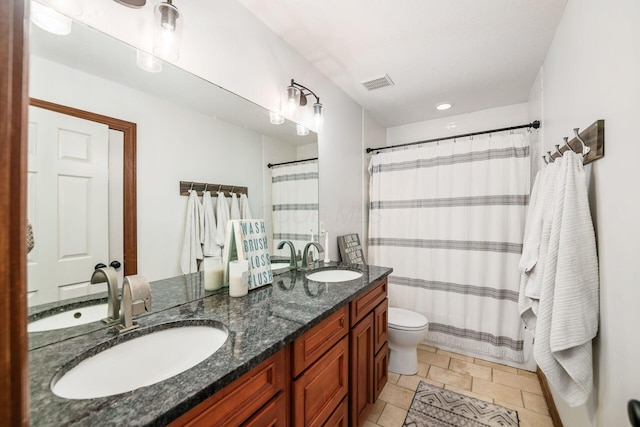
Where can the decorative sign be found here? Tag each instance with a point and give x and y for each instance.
(247, 240)
(350, 249)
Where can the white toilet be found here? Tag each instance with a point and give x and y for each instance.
(407, 329)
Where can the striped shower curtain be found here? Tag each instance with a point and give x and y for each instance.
(449, 218)
(295, 204)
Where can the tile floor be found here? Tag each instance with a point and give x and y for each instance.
(499, 384)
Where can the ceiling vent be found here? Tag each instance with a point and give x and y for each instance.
(378, 82)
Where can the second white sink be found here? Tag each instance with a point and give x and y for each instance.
(67, 319)
(334, 275)
(142, 361)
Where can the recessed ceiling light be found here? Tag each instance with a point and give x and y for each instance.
(444, 106)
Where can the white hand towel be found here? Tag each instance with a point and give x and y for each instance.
(222, 215)
(540, 199)
(210, 248)
(245, 210)
(194, 225)
(235, 207)
(569, 303)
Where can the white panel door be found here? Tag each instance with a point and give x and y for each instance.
(67, 202)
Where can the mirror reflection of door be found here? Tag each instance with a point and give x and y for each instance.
(69, 203)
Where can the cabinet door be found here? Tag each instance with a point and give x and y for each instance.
(380, 324)
(361, 387)
(340, 417)
(321, 388)
(273, 414)
(380, 376)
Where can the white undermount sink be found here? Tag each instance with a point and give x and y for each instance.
(73, 317)
(333, 275)
(140, 362)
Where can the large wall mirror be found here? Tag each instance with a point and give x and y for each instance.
(186, 129)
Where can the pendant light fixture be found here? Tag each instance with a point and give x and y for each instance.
(167, 31)
(297, 96)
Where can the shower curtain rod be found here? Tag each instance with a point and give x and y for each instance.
(270, 165)
(534, 124)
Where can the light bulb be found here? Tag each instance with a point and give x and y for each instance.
(317, 115)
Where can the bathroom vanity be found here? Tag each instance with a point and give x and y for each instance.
(299, 352)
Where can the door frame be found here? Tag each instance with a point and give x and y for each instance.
(14, 387)
(129, 214)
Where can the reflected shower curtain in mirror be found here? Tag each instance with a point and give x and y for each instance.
(449, 218)
(295, 204)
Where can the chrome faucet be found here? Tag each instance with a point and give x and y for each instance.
(305, 253)
(108, 274)
(292, 261)
(136, 299)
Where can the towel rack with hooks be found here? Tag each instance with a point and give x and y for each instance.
(593, 137)
(185, 186)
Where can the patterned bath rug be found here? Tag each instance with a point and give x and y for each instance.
(436, 407)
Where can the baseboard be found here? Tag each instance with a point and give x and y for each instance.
(553, 411)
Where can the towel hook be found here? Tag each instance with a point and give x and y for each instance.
(558, 149)
(205, 187)
(566, 142)
(545, 159)
(551, 159)
(191, 188)
(232, 188)
(585, 147)
(219, 187)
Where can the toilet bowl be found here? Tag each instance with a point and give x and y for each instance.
(407, 329)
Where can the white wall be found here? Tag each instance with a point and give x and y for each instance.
(591, 72)
(173, 144)
(225, 44)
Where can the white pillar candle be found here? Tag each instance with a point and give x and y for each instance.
(213, 273)
(238, 278)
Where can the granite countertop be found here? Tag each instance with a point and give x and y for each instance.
(259, 325)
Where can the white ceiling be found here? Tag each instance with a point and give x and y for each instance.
(477, 54)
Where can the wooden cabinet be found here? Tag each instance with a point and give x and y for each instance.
(329, 376)
(360, 392)
(318, 391)
(273, 414)
(237, 402)
(369, 352)
(340, 417)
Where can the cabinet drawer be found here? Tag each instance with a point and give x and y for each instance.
(340, 417)
(235, 403)
(315, 342)
(381, 372)
(273, 414)
(318, 391)
(380, 324)
(364, 304)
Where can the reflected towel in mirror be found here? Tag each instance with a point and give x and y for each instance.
(210, 247)
(193, 235)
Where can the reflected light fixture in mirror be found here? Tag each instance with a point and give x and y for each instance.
(301, 130)
(148, 62)
(276, 118)
(297, 96)
(49, 19)
(167, 31)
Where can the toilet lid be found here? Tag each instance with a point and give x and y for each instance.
(406, 319)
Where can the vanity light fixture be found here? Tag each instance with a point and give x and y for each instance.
(276, 118)
(301, 130)
(49, 19)
(297, 96)
(444, 106)
(167, 31)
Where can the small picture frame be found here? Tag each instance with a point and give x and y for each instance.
(351, 249)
